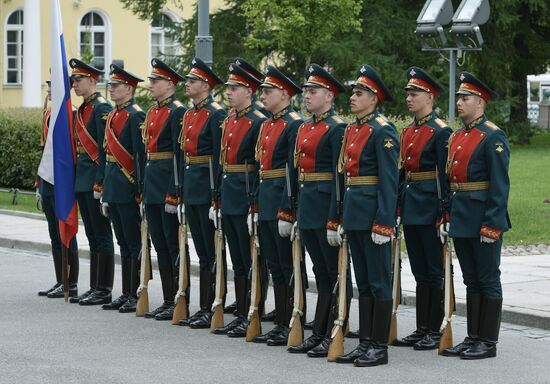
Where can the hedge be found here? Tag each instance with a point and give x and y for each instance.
(20, 149)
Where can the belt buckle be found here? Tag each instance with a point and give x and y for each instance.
(187, 158)
(302, 176)
(408, 175)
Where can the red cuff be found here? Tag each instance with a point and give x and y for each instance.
(446, 218)
(286, 216)
(383, 230)
(253, 208)
(217, 204)
(138, 198)
(398, 213)
(491, 233)
(333, 225)
(172, 200)
(98, 188)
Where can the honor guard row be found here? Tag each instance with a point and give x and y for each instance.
(271, 183)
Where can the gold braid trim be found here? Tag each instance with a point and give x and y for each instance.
(144, 128)
(258, 148)
(342, 158)
(223, 149)
(296, 152)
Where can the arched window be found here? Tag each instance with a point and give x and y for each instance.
(13, 52)
(94, 39)
(162, 43)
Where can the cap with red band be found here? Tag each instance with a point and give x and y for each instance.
(369, 79)
(420, 80)
(470, 85)
(240, 77)
(201, 71)
(120, 76)
(79, 68)
(276, 79)
(163, 71)
(318, 77)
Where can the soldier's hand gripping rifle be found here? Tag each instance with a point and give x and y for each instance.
(336, 346)
(296, 335)
(181, 309)
(446, 339)
(217, 305)
(142, 306)
(396, 284)
(254, 325)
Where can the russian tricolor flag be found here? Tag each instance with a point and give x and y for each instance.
(57, 165)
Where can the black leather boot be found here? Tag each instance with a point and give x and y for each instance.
(204, 280)
(270, 316)
(489, 327)
(365, 331)
(169, 288)
(322, 349)
(231, 308)
(377, 351)
(58, 293)
(322, 311)
(431, 338)
(240, 287)
(58, 274)
(126, 276)
(283, 311)
(473, 309)
(203, 322)
(165, 305)
(422, 308)
(279, 293)
(93, 280)
(105, 277)
(309, 325)
(243, 304)
(130, 305)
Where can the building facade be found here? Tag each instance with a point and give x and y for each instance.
(96, 30)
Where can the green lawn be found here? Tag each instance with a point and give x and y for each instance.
(530, 185)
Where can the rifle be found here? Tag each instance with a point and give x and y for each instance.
(254, 325)
(296, 335)
(336, 346)
(396, 287)
(217, 305)
(145, 269)
(181, 309)
(446, 340)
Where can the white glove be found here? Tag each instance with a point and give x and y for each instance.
(443, 232)
(97, 195)
(105, 209)
(379, 239)
(398, 221)
(485, 239)
(142, 209)
(250, 221)
(334, 238)
(181, 212)
(38, 197)
(295, 232)
(171, 209)
(285, 228)
(212, 216)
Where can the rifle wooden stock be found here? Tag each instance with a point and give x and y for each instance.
(254, 325)
(446, 340)
(296, 335)
(181, 308)
(142, 306)
(396, 288)
(336, 346)
(217, 306)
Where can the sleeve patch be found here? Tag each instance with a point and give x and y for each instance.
(388, 143)
(499, 147)
(104, 116)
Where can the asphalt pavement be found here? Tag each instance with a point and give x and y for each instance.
(49, 341)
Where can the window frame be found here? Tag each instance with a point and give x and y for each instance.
(19, 28)
(175, 19)
(107, 38)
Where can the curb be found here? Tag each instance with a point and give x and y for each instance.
(509, 314)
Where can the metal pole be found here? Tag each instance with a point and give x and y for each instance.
(203, 40)
(452, 82)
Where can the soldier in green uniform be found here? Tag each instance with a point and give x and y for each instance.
(124, 153)
(368, 159)
(46, 199)
(160, 133)
(477, 167)
(422, 161)
(90, 167)
(316, 157)
(237, 157)
(274, 152)
(200, 145)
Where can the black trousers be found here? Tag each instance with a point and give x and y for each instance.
(127, 225)
(425, 254)
(97, 228)
(202, 230)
